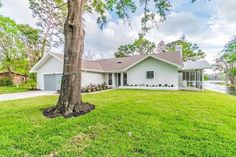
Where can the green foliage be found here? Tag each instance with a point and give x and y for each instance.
(11, 47)
(206, 77)
(233, 71)
(6, 82)
(124, 9)
(229, 51)
(226, 62)
(29, 84)
(150, 18)
(12, 89)
(32, 39)
(19, 46)
(139, 122)
(190, 51)
(140, 46)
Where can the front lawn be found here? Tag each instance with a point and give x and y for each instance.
(124, 123)
(5, 90)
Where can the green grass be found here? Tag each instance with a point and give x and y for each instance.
(5, 90)
(163, 123)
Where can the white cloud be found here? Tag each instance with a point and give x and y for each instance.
(182, 23)
(224, 21)
(107, 40)
(18, 10)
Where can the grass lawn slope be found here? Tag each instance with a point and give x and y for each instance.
(124, 123)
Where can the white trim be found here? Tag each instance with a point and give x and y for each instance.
(55, 56)
(194, 69)
(54, 73)
(91, 70)
(40, 62)
(43, 60)
(158, 58)
(163, 60)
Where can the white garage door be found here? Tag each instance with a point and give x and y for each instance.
(52, 82)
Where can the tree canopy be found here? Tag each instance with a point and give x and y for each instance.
(140, 46)
(11, 47)
(32, 39)
(229, 51)
(50, 15)
(19, 45)
(190, 51)
(226, 62)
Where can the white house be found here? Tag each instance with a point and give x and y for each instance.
(156, 71)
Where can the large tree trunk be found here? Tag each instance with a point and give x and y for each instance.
(70, 100)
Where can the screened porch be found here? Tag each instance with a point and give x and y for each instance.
(191, 79)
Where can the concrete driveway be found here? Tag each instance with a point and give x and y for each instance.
(23, 95)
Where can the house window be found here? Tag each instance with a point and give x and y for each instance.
(150, 74)
(109, 79)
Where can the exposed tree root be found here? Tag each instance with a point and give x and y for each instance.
(57, 111)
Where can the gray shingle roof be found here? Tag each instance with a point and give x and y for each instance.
(196, 65)
(119, 64)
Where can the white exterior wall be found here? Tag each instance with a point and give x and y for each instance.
(53, 65)
(106, 76)
(92, 78)
(164, 73)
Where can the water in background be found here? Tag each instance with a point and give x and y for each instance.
(211, 85)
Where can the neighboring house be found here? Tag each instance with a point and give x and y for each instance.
(16, 77)
(155, 71)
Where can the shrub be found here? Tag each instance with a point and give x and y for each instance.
(29, 84)
(94, 88)
(6, 82)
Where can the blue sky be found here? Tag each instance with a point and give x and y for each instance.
(208, 24)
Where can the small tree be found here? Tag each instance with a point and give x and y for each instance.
(190, 51)
(11, 47)
(226, 62)
(140, 46)
(32, 40)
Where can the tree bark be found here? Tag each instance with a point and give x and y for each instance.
(10, 75)
(70, 100)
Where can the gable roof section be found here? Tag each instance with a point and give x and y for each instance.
(116, 64)
(40, 63)
(171, 57)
